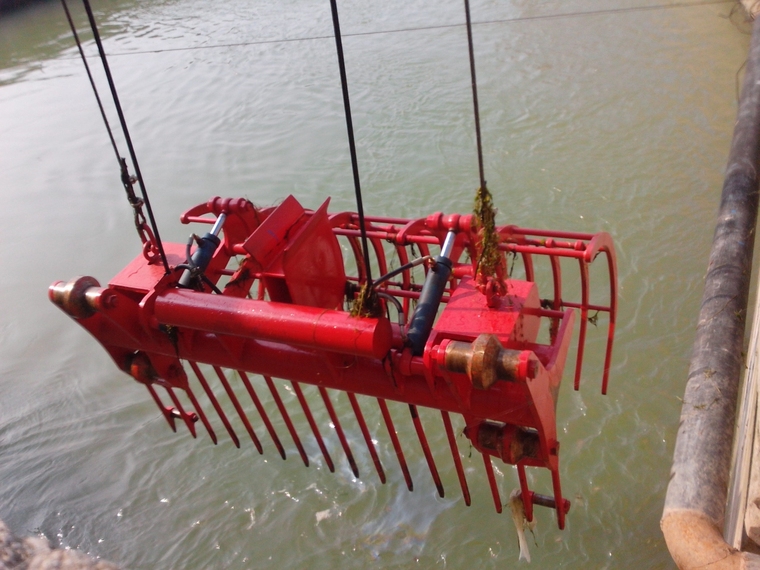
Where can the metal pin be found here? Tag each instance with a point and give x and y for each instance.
(185, 417)
(426, 449)
(396, 444)
(199, 411)
(455, 455)
(313, 425)
(367, 436)
(238, 408)
(262, 412)
(492, 482)
(286, 417)
(169, 418)
(215, 403)
(339, 430)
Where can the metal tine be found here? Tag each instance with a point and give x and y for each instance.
(286, 417)
(201, 414)
(167, 415)
(339, 430)
(584, 322)
(238, 408)
(455, 456)
(367, 436)
(524, 491)
(215, 403)
(262, 412)
(185, 417)
(492, 482)
(426, 448)
(313, 425)
(396, 444)
(612, 312)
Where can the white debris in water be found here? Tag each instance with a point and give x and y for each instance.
(521, 523)
(321, 515)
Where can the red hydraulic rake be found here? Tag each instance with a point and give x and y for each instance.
(263, 293)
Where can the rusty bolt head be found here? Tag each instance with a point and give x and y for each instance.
(72, 296)
(485, 354)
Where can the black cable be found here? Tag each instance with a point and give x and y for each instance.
(125, 178)
(92, 82)
(351, 142)
(125, 130)
(474, 94)
(442, 26)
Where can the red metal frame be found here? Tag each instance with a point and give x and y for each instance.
(284, 284)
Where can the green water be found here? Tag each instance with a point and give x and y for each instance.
(618, 119)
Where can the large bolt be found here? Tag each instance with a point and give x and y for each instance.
(73, 296)
(485, 361)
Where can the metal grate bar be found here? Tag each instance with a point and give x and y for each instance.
(286, 417)
(396, 443)
(262, 412)
(238, 408)
(160, 404)
(339, 430)
(367, 436)
(313, 425)
(455, 455)
(492, 482)
(201, 414)
(185, 417)
(426, 449)
(215, 403)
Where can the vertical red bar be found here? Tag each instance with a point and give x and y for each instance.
(238, 408)
(525, 493)
(167, 415)
(492, 482)
(426, 449)
(396, 444)
(455, 455)
(185, 417)
(199, 411)
(613, 318)
(215, 403)
(339, 430)
(313, 425)
(286, 417)
(262, 412)
(584, 323)
(559, 502)
(367, 436)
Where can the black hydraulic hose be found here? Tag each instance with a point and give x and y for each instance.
(401, 269)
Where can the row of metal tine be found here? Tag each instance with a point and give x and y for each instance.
(190, 418)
